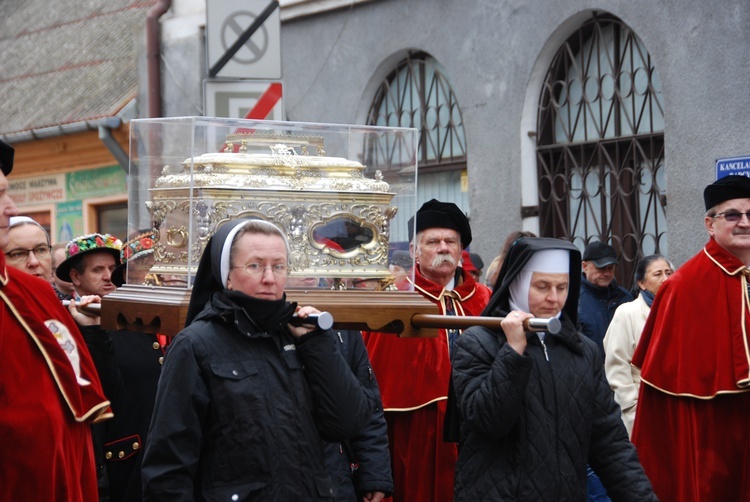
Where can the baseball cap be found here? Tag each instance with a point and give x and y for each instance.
(600, 254)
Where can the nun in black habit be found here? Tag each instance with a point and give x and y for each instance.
(536, 407)
(245, 399)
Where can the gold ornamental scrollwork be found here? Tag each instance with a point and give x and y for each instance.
(177, 237)
(159, 210)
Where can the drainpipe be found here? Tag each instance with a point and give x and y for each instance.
(153, 55)
(105, 136)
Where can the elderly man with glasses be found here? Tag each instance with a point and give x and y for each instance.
(693, 419)
(28, 247)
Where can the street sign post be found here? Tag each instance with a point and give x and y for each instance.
(243, 39)
(244, 99)
(733, 165)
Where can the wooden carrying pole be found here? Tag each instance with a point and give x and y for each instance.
(551, 325)
(406, 314)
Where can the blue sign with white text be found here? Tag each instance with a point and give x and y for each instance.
(735, 165)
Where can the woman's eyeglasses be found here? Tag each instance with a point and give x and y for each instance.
(257, 269)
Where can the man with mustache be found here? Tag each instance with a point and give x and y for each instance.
(414, 373)
(692, 419)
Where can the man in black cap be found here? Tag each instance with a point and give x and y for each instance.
(600, 294)
(414, 373)
(478, 263)
(599, 298)
(692, 427)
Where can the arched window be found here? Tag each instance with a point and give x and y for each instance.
(600, 144)
(417, 94)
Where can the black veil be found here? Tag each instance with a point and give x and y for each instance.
(518, 255)
(208, 276)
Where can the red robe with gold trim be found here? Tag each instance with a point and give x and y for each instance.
(413, 375)
(692, 424)
(49, 396)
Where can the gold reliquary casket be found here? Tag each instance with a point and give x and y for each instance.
(342, 194)
(337, 219)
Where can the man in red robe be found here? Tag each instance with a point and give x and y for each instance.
(692, 424)
(413, 373)
(49, 389)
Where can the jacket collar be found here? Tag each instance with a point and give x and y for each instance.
(223, 308)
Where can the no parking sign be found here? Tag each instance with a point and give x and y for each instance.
(243, 39)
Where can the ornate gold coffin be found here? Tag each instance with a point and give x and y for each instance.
(337, 220)
(190, 175)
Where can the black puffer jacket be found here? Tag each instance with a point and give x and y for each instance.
(361, 464)
(240, 413)
(531, 422)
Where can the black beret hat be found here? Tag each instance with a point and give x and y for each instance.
(436, 214)
(726, 188)
(6, 158)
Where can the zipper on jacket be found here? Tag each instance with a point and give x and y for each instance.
(544, 345)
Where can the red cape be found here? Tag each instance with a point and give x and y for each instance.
(45, 408)
(30, 302)
(413, 375)
(692, 420)
(695, 341)
(413, 372)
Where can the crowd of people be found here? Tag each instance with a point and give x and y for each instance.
(641, 395)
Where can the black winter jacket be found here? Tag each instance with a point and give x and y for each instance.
(361, 464)
(530, 423)
(131, 365)
(102, 352)
(596, 308)
(139, 359)
(240, 413)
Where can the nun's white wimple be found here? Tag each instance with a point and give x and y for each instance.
(226, 249)
(546, 261)
(519, 291)
(549, 261)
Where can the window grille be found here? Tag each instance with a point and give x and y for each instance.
(417, 94)
(600, 144)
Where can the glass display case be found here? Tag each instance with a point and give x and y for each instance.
(343, 194)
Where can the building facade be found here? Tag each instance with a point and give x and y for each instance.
(68, 93)
(577, 119)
